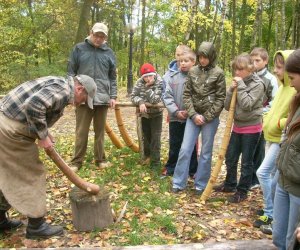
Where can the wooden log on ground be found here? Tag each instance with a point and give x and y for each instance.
(227, 245)
(90, 212)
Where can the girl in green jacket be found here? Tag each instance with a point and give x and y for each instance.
(287, 194)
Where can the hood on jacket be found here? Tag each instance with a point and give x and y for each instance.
(208, 49)
(285, 54)
(173, 67)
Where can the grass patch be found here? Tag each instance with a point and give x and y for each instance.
(146, 220)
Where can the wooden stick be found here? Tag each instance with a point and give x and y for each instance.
(71, 175)
(225, 141)
(130, 104)
(122, 212)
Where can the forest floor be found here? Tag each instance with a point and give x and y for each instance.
(154, 215)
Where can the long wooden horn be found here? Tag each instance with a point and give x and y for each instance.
(129, 142)
(71, 175)
(115, 140)
(225, 141)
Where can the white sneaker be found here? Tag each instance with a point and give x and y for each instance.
(255, 186)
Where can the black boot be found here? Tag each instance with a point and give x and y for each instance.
(6, 224)
(39, 228)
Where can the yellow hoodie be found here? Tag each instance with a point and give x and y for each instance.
(274, 120)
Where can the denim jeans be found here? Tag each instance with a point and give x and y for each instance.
(244, 144)
(152, 128)
(259, 156)
(286, 217)
(191, 133)
(176, 133)
(265, 174)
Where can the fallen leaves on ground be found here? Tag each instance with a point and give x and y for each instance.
(153, 214)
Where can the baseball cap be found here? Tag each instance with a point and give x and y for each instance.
(90, 86)
(100, 27)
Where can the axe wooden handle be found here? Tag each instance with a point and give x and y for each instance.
(72, 176)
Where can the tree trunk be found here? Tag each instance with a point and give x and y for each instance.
(83, 28)
(194, 6)
(90, 212)
(257, 25)
(34, 34)
(297, 28)
(276, 25)
(48, 50)
(296, 25)
(283, 43)
(271, 18)
(214, 20)
(207, 14)
(233, 42)
(243, 20)
(219, 32)
(143, 33)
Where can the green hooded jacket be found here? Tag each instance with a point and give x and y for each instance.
(205, 87)
(274, 120)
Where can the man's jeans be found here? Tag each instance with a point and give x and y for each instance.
(176, 133)
(244, 144)
(265, 174)
(191, 133)
(286, 217)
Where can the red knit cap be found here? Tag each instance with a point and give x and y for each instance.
(147, 70)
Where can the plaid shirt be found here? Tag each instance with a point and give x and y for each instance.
(38, 103)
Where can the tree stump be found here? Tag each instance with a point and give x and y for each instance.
(90, 212)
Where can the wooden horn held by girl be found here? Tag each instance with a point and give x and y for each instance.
(71, 175)
(225, 141)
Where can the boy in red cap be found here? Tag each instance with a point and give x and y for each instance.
(148, 89)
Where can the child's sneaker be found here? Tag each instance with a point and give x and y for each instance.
(254, 186)
(199, 192)
(260, 212)
(224, 189)
(262, 220)
(266, 229)
(237, 197)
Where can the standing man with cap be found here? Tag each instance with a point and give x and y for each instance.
(94, 58)
(26, 113)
